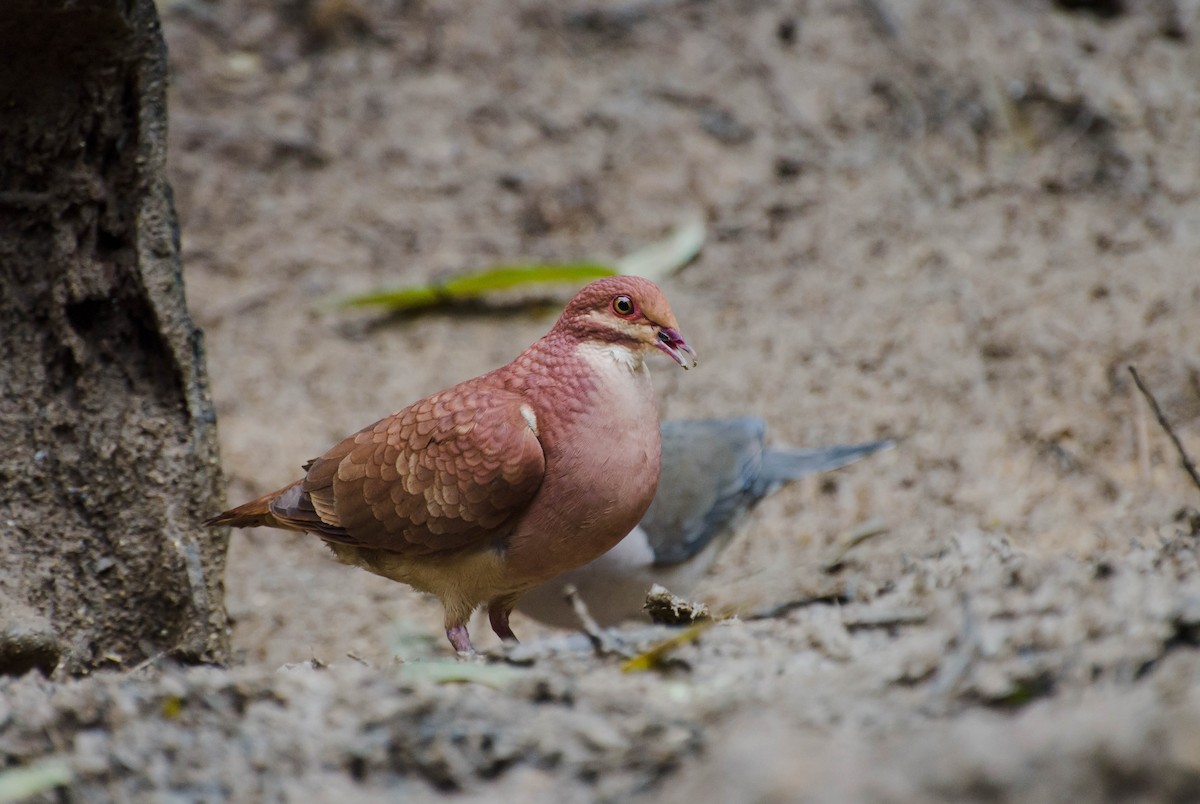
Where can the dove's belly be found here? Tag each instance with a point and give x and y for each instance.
(461, 579)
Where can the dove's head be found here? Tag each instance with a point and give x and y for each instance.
(626, 311)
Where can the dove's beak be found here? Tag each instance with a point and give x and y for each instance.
(671, 342)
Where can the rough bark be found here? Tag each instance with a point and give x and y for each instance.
(108, 454)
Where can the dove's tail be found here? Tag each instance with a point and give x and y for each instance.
(254, 514)
(783, 465)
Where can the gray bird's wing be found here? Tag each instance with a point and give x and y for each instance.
(715, 470)
(708, 466)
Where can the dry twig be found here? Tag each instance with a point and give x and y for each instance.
(602, 642)
(1188, 466)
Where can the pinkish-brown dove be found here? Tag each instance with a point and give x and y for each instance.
(482, 491)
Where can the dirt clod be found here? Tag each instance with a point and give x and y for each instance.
(665, 608)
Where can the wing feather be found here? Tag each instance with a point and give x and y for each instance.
(448, 471)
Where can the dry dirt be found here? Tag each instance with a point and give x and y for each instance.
(951, 223)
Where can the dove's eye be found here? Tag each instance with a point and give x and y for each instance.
(623, 306)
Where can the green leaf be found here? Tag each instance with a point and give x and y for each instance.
(17, 784)
(471, 287)
(655, 262)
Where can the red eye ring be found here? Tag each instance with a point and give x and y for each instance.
(623, 306)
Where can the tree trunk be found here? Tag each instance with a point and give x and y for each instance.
(108, 451)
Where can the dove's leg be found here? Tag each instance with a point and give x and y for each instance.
(460, 639)
(498, 611)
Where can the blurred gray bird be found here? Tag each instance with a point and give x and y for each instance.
(713, 472)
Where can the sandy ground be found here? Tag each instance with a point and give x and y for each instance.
(949, 223)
